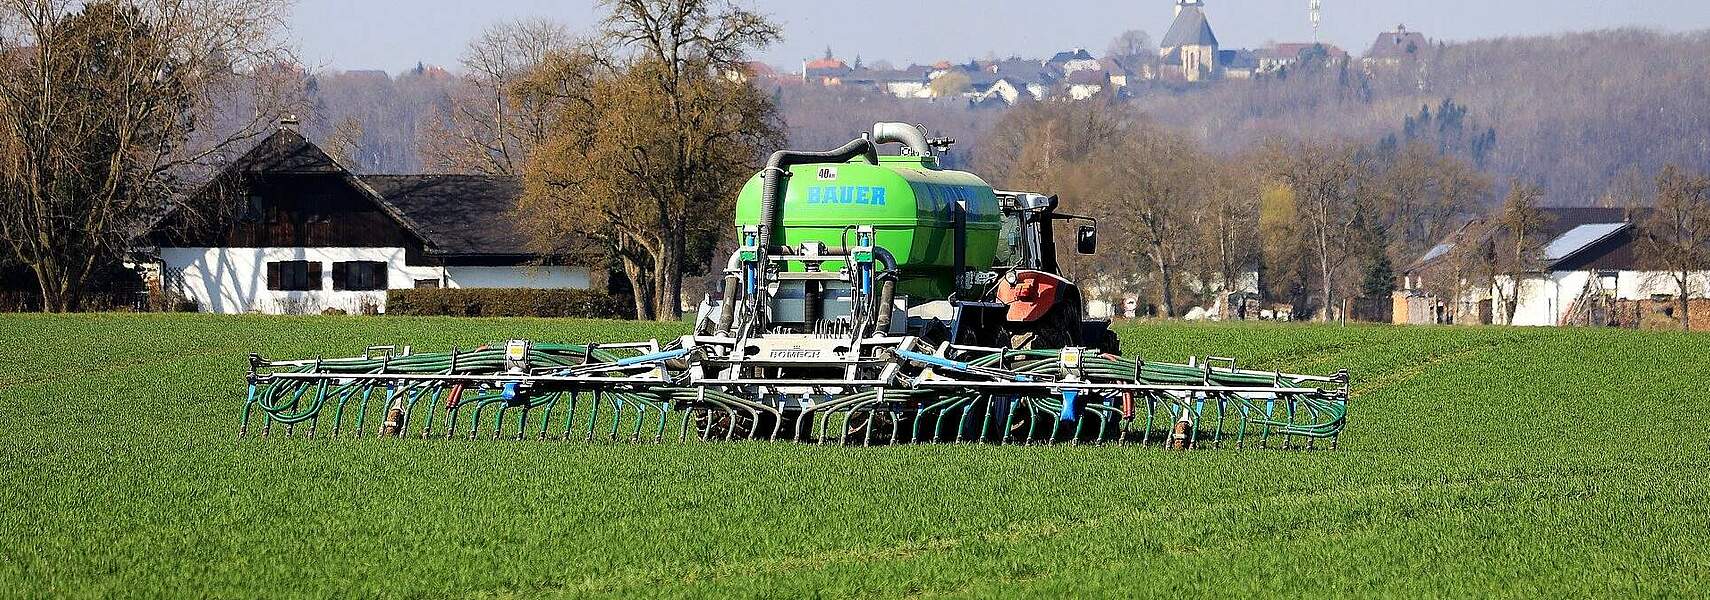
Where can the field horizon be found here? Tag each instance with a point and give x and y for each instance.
(1477, 462)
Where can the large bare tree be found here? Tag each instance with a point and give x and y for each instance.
(1517, 237)
(1676, 237)
(1152, 185)
(485, 127)
(1323, 179)
(108, 109)
(651, 139)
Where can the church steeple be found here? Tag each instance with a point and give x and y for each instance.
(1190, 44)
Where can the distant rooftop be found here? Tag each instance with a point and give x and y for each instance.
(1191, 27)
(1579, 238)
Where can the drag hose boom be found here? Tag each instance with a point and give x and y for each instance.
(871, 300)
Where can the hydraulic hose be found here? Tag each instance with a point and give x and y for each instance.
(772, 180)
(727, 308)
(887, 291)
(772, 199)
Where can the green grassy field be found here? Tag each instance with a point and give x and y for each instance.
(1477, 463)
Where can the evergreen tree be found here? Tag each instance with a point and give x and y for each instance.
(1380, 275)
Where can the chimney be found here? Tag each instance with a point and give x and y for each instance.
(290, 123)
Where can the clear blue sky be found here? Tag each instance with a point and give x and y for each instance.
(395, 34)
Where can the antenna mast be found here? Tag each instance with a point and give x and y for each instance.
(1315, 8)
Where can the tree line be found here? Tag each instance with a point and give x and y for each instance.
(634, 138)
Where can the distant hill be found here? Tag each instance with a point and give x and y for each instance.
(1572, 112)
(1575, 112)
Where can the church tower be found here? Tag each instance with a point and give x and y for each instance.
(1190, 48)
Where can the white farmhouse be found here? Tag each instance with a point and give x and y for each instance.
(1590, 266)
(308, 235)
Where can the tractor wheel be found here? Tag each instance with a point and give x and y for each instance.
(886, 426)
(717, 425)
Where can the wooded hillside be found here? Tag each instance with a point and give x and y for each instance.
(1580, 114)
(1574, 113)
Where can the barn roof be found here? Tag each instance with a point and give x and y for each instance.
(1580, 238)
(287, 152)
(464, 215)
(453, 215)
(1573, 232)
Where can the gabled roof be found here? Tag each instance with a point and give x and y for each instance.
(453, 215)
(1436, 252)
(1066, 56)
(1571, 231)
(287, 152)
(829, 64)
(458, 214)
(1190, 29)
(1029, 71)
(1238, 59)
(1579, 238)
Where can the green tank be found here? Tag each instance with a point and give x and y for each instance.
(909, 202)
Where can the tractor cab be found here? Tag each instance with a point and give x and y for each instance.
(1027, 238)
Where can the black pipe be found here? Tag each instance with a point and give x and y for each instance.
(772, 193)
(727, 309)
(811, 299)
(887, 291)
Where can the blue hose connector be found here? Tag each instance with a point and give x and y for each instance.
(1071, 408)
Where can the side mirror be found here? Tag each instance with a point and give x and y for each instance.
(1086, 239)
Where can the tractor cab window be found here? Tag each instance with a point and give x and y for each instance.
(1010, 242)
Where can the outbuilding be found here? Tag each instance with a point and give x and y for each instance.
(1590, 272)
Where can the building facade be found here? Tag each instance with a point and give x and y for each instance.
(306, 235)
(1590, 266)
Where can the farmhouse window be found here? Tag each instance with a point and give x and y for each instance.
(252, 210)
(294, 276)
(427, 284)
(359, 275)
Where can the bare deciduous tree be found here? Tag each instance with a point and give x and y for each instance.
(484, 127)
(1151, 185)
(109, 108)
(1516, 238)
(1130, 44)
(1322, 179)
(650, 141)
(345, 144)
(1676, 237)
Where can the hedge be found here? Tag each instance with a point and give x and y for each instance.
(478, 302)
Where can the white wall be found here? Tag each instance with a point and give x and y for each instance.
(234, 280)
(528, 277)
(1545, 299)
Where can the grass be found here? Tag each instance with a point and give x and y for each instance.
(1478, 463)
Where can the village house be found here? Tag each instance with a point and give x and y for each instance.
(1071, 61)
(1279, 56)
(309, 235)
(826, 71)
(1589, 273)
(1394, 47)
(1238, 64)
(1086, 84)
